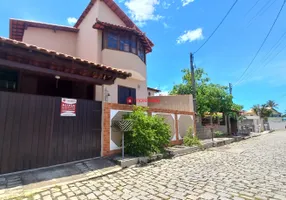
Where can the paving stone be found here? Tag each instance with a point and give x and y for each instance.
(243, 170)
(37, 197)
(48, 197)
(208, 195)
(62, 198)
(91, 196)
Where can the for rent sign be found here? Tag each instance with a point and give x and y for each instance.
(68, 107)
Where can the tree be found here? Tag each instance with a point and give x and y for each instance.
(284, 114)
(262, 110)
(272, 104)
(211, 98)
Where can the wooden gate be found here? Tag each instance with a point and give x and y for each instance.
(33, 134)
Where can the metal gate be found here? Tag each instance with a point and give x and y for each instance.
(33, 134)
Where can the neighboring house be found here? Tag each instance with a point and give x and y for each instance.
(152, 91)
(103, 34)
(275, 113)
(253, 123)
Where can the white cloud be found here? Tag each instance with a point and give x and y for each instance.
(190, 36)
(72, 20)
(166, 5)
(166, 25)
(163, 93)
(142, 10)
(186, 2)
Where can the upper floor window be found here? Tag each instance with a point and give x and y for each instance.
(112, 40)
(123, 41)
(141, 52)
(133, 44)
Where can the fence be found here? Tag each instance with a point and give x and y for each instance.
(179, 122)
(33, 134)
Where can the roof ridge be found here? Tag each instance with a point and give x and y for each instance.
(117, 10)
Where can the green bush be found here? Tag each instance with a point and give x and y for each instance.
(149, 134)
(190, 140)
(219, 134)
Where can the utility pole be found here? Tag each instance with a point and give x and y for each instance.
(194, 88)
(227, 117)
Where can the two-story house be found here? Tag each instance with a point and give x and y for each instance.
(55, 80)
(103, 34)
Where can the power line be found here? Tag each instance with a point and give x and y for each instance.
(264, 41)
(217, 26)
(252, 7)
(262, 10)
(267, 59)
(281, 50)
(274, 47)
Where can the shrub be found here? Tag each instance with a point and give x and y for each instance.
(219, 134)
(149, 134)
(190, 140)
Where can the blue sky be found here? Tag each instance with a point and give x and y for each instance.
(178, 27)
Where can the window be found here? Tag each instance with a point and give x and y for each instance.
(133, 45)
(8, 80)
(126, 95)
(123, 41)
(141, 53)
(112, 40)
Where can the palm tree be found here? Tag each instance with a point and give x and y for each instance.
(262, 110)
(272, 104)
(256, 109)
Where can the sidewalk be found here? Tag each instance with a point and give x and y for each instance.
(41, 179)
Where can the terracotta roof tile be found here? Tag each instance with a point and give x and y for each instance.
(68, 57)
(116, 9)
(17, 27)
(101, 25)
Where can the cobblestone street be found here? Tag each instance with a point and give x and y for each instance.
(251, 169)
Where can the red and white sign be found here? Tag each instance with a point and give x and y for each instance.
(68, 107)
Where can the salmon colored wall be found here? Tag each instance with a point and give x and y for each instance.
(61, 41)
(88, 40)
(105, 151)
(175, 102)
(87, 44)
(140, 86)
(124, 60)
(107, 15)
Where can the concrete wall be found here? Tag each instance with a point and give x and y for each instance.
(178, 102)
(88, 46)
(61, 41)
(107, 15)
(151, 93)
(111, 112)
(277, 125)
(253, 122)
(140, 86)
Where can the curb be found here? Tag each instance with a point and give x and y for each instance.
(10, 193)
(175, 152)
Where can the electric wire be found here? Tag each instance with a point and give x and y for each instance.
(217, 26)
(267, 58)
(264, 41)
